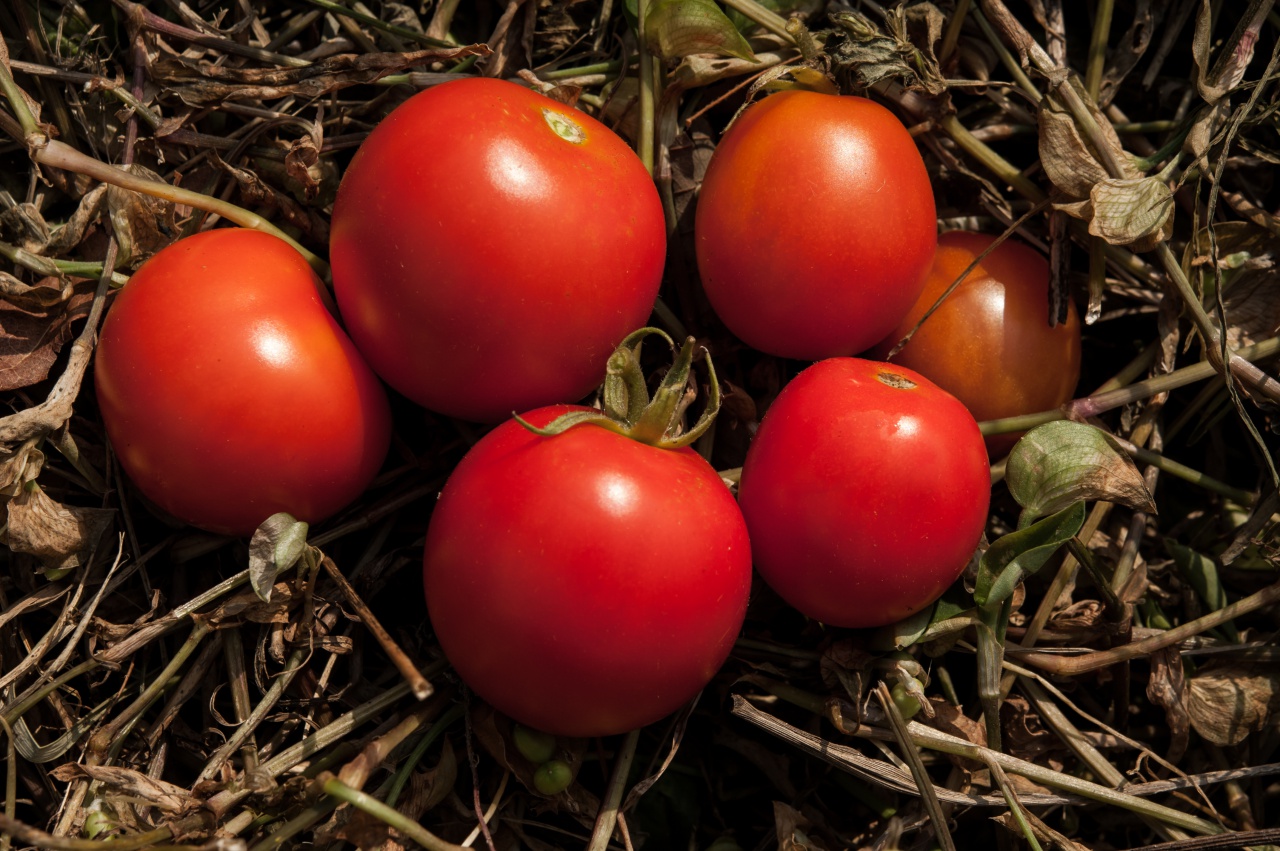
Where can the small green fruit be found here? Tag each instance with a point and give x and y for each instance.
(552, 777)
(534, 745)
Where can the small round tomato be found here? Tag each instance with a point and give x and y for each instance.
(491, 246)
(585, 584)
(865, 491)
(989, 344)
(815, 225)
(230, 393)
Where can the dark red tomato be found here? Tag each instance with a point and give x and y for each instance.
(585, 584)
(815, 225)
(491, 246)
(228, 390)
(865, 491)
(990, 344)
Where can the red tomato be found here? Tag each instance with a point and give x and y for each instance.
(815, 225)
(865, 491)
(585, 584)
(230, 393)
(491, 246)
(990, 344)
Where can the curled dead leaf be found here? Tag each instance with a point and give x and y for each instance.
(130, 783)
(62, 537)
(1227, 702)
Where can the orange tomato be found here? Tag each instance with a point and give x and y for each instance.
(989, 344)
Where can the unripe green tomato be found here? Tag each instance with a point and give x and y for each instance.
(552, 777)
(534, 745)
(907, 705)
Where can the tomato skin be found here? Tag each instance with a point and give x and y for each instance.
(585, 584)
(864, 500)
(989, 344)
(815, 225)
(230, 393)
(485, 265)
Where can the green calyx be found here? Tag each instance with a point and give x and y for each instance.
(628, 408)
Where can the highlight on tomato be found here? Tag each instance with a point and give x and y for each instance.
(228, 390)
(989, 344)
(865, 492)
(587, 573)
(815, 225)
(492, 246)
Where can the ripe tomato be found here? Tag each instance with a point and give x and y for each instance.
(989, 344)
(585, 584)
(230, 393)
(865, 492)
(815, 225)
(491, 246)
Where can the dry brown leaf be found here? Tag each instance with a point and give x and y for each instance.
(1226, 702)
(31, 336)
(143, 224)
(791, 826)
(62, 537)
(130, 783)
(1166, 689)
(950, 718)
(205, 84)
(1252, 303)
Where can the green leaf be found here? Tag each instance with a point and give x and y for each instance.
(1020, 554)
(1202, 572)
(678, 28)
(904, 633)
(275, 547)
(1059, 463)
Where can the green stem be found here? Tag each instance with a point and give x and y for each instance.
(1187, 474)
(1011, 64)
(607, 817)
(644, 144)
(47, 266)
(911, 754)
(766, 18)
(297, 824)
(1098, 47)
(1082, 554)
(59, 155)
(952, 35)
(10, 781)
(13, 94)
(113, 732)
(581, 71)
(437, 730)
(368, 804)
(997, 164)
(1091, 406)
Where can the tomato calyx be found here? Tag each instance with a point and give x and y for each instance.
(627, 407)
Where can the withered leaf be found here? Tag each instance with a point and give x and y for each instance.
(1226, 702)
(300, 164)
(62, 537)
(1167, 689)
(678, 28)
(134, 784)
(256, 192)
(31, 336)
(205, 84)
(1133, 212)
(1067, 161)
(791, 825)
(1062, 462)
(951, 719)
(143, 224)
(1252, 302)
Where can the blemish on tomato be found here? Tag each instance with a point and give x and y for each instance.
(894, 380)
(564, 126)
